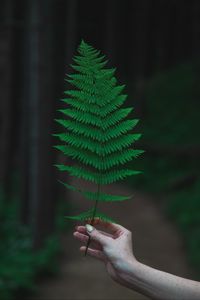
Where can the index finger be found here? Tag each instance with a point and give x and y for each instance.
(113, 227)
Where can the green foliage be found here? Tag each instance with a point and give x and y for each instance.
(184, 208)
(172, 97)
(96, 133)
(87, 216)
(172, 122)
(19, 264)
(103, 197)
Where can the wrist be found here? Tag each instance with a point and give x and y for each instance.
(126, 266)
(128, 272)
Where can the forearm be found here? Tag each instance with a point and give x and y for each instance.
(157, 284)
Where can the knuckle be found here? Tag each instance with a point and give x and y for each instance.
(86, 238)
(93, 235)
(128, 233)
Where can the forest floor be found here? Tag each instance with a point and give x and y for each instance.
(156, 242)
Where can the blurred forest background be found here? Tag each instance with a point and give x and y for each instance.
(155, 46)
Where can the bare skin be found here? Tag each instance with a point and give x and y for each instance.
(114, 248)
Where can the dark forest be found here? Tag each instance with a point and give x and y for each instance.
(155, 48)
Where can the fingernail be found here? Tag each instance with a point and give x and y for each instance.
(89, 228)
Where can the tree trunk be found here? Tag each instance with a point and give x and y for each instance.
(30, 107)
(196, 28)
(7, 117)
(140, 48)
(45, 208)
(110, 39)
(71, 32)
(182, 31)
(162, 36)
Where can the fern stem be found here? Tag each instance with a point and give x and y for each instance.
(93, 216)
(98, 190)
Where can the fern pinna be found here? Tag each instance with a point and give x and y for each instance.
(96, 132)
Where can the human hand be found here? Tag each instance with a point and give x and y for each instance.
(114, 248)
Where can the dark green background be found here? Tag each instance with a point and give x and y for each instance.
(155, 46)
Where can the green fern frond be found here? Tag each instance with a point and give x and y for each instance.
(94, 160)
(108, 147)
(96, 177)
(79, 104)
(103, 197)
(96, 132)
(88, 215)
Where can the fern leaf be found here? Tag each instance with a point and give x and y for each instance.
(102, 197)
(79, 141)
(104, 178)
(96, 132)
(88, 216)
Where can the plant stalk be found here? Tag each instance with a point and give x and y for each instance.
(94, 212)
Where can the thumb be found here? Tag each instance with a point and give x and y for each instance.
(96, 235)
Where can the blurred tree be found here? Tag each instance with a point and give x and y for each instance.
(70, 39)
(163, 35)
(182, 29)
(38, 174)
(7, 105)
(46, 197)
(111, 9)
(195, 28)
(30, 102)
(140, 48)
